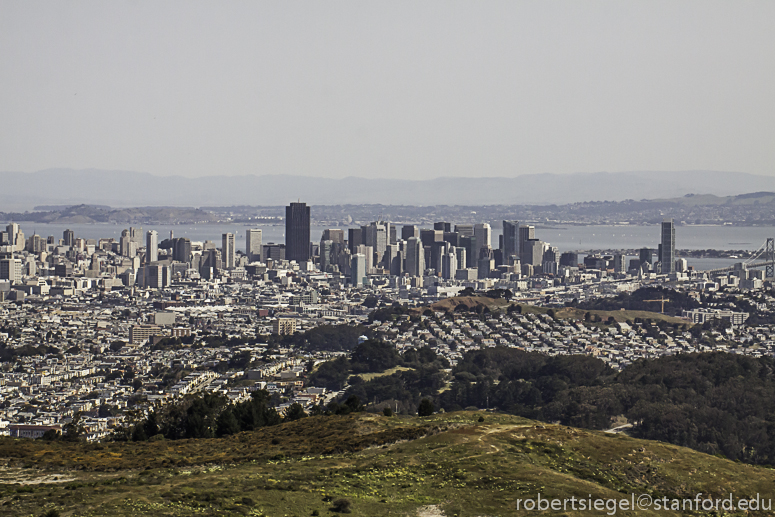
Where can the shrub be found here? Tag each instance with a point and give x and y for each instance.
(342, 506)
(387, 411)
(425, 408)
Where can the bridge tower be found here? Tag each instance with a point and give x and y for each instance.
(769, 254)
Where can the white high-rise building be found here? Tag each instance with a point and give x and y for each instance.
(151, 246)
(358, 269)
(15, 237)
(377, 235)
(449, 263)
(483, 236)
(11, 269)
(227, 250)
(415, 257)
(253, 243)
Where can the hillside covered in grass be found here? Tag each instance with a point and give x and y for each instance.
(463, 464)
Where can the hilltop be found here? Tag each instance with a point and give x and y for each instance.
(466, 463)
(85, 214)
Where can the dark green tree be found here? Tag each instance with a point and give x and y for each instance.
(425, 408)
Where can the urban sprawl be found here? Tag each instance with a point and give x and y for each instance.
(100, 329)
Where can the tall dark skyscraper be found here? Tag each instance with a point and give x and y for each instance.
(667, 255)
(68, 236)
(510, 240)
(297, 232)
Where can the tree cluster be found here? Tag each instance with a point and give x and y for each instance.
(717, 403)
(636, 301)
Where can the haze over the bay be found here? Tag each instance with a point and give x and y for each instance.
(406, 90)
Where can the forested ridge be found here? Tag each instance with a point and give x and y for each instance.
(717, 403)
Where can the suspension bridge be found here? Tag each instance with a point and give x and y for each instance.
(764, 257)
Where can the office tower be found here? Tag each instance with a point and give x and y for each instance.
(483, 235)
(14, 237)
(510, 240)
(128, 246)
(11, 269)
(151, 247)
(646, 256)
(273, 251)
(297, 237)
(368, 252)
(486, 263)
(681, 265)
(36, 244)
(667, 255)
(326, 248)
(461, 257)
(526, 233)
(464, 230)
(393, 259)
(334, 235)
(358, 269)
(443, 226)
(453, 238)
(393, 235)
(449, 263)
(68, 236)
(376, 235)
(210, 263)
(408, 231)
(619, 263)
(415, 257)
(551, 254)
(136, 235)
(227, 250)
(181, 250)
(438, 249)
(354, 239)
(532, 252)
(30, 268)
(11, 230)
(153, 276)
(569, 259)
(253, 244)
(468, 243)
(428, 237)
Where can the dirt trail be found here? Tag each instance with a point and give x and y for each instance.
(430, 511)
(10, 475)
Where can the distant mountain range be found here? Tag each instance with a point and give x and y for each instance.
(22, 191)
(752, 209)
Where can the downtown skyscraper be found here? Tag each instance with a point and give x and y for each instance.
(151, 246)
(667, 247)
(511, 246)
(297, 236)
(253, 244)
(227, 250)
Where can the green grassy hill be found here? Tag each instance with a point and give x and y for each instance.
(449, 464)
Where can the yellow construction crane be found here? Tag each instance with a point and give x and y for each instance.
(663, 300)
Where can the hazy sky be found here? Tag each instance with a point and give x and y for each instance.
(378, 89)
